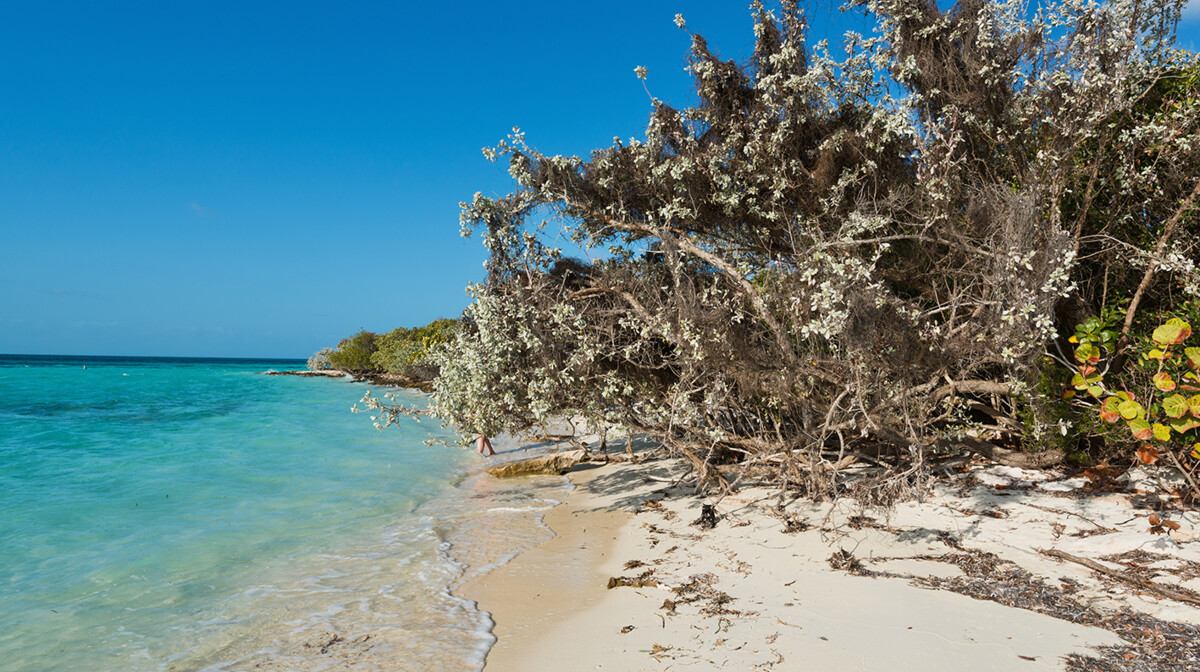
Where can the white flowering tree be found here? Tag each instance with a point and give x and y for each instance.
(839, 254)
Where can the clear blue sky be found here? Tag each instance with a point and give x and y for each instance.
(262, 179)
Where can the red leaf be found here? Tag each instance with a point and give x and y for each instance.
(1147, 455)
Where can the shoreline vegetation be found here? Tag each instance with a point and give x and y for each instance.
(399, 358)
(974, 232)
(915, 314)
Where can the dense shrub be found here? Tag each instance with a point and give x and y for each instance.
(406, 351)
(835, 258)
(354, 354)
(403, 351)
(320, 360)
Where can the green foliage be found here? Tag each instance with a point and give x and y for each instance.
(1044, 414)
(1155, 403)
(403, 351)
(354, 354)
(406, 351)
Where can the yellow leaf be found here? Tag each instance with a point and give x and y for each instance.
(1162, 432)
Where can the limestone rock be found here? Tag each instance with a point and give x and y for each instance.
(554, 463)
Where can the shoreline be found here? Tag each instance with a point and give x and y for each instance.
(958, 581)
(380, 379)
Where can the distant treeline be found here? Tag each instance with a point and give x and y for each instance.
(400, 351)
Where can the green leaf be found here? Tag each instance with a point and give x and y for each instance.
(1194, 405)
(1174, 332)
(1087, 354)
(1161, 432)
(1193, 357)
(1175, 406)
(1095, 391)
(1163, 381)
(1183, 425)
(1130, 410)
(1142, 431)
(1108, 410)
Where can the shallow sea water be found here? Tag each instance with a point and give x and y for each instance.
(193, 515)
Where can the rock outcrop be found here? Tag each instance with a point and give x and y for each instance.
(554, 463)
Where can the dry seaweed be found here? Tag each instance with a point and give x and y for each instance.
(1153, 644)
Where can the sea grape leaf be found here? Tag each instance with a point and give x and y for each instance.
(1147, 454)
(1108, 410)
(1087, 354)
(1175, 406)
(1194, 405)
(1193, 357)
(1174, 332)
(1155, 354)
(1125, 396)
(1163, 381)
(1142, 431)
(1161, 432)
(1183, 425)
(1168, 334)
(1130, 409)
(1196, 451)
(1095, 391)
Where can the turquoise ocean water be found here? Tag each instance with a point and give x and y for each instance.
(167, 514)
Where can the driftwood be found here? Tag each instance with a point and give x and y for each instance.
(1011, 458)
(1170, 592)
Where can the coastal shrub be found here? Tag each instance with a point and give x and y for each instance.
(405, 351)
(1155, 408)
(837, 255)
(320, 360)
(354, 354)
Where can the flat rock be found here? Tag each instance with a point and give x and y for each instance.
(554, 463)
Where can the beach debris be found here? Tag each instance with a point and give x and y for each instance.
(793, 524)
(1160, 525)
(1176, 593)
(554, 463)
(860, 522)
(708, 517)
(844, 560)
(642, 580)
(1156, 644)
(699, 588)
(627, 629)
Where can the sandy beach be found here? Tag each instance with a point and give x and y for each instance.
(985, 574)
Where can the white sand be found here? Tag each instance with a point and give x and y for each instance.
(790, 609)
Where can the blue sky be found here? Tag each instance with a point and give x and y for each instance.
(239, 179)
